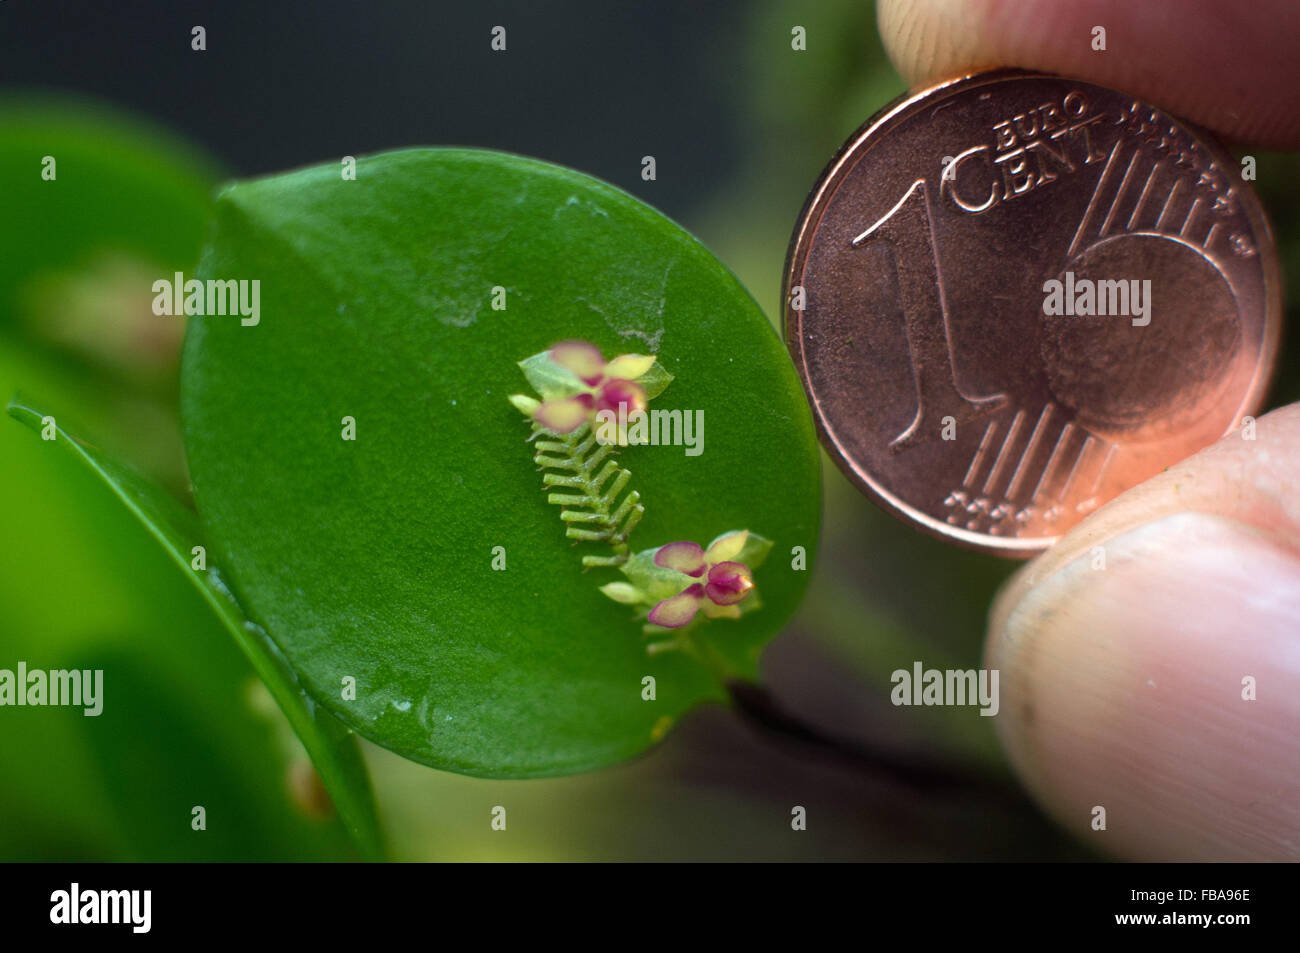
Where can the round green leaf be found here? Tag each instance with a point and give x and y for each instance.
(373, 558)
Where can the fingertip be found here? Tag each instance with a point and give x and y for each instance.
(1150, 661)
(1148, 692)
(1228, 67)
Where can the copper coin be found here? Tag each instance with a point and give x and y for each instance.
(1013, 296)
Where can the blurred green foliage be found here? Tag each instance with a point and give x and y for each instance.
(82, 585)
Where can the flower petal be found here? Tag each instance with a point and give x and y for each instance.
(729, 583)
(676, 611)
(564, 416)
(623, 592)
(581, 357)
(629, 367)
(727, 546)
(683, 556)
(524, 404)
(614, 393)
(714, 611)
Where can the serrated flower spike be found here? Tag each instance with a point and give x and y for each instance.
(576, 383)
(677, 581)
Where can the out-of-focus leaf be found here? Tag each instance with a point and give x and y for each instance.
(120, 186)
(332, 748)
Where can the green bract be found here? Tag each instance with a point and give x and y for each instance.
(421, 558)
(548, 378)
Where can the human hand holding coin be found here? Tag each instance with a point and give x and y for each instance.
(1128, 687)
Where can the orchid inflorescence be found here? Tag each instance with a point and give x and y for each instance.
(673, 583)
(577, 383)
(672, 586)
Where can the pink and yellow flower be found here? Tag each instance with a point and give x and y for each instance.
(600, 385)
(723, 581)
(672, 585)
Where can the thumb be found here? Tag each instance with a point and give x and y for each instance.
(1150, 661)
(1229, 67)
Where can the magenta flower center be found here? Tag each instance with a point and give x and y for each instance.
(614, 393)
(729, 583)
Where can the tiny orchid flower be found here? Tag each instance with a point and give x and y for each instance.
(724, 582)
(590, 384)
(675, 582)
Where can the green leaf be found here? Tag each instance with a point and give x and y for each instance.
(332, 748)
(373, 558)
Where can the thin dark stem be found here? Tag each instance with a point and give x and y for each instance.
(762, 711)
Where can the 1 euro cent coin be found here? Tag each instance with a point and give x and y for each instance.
(1013, 296)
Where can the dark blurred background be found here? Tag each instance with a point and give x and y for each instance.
(592, 86)
(740, 127)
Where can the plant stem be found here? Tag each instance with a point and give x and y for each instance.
(757, 706)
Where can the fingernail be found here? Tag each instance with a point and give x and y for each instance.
(1151, 691)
